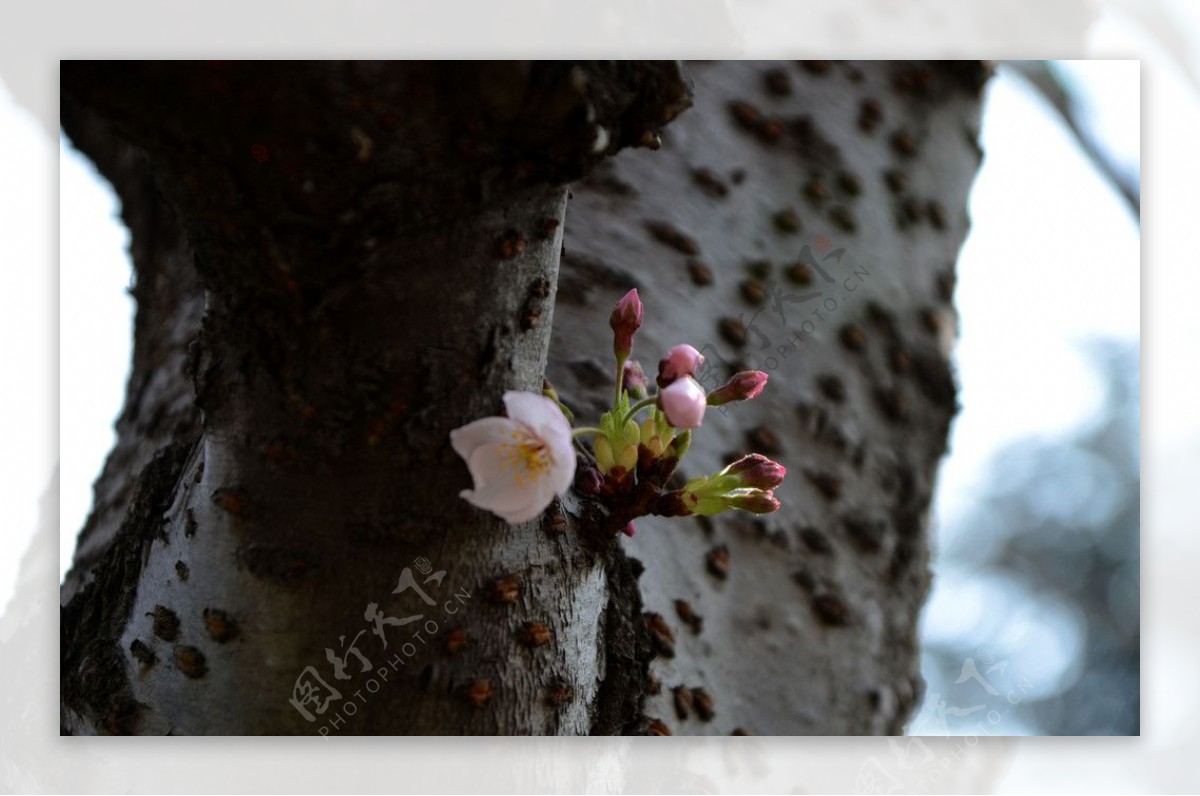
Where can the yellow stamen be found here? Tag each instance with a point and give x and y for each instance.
(527, 455)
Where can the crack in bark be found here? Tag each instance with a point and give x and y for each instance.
(627, 651)
(95, 688)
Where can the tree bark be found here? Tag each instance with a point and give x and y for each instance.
(337, 264)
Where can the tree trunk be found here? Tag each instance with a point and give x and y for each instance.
(337, 264)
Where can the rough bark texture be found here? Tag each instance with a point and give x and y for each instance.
(807, 617)
(336, 264)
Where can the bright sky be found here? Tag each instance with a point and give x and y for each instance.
(1051, 262)
(97, 333)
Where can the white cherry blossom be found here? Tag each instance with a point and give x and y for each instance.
(519, 462)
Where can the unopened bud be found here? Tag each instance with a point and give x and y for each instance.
(755, 501)
(625, 320)
(683, 402)
(742, 387)
(682, 360)
(588, 480)
(635, 379)
(757, 471)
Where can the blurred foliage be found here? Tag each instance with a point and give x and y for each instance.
(1047, 641)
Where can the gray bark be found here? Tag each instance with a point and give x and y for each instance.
(813, 629)
(337, 264)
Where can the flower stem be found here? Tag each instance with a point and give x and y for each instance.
(584, 452)
(579, 432)
(567, 413)
(620, 378)
(640, 405)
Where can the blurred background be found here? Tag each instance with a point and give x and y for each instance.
(1032, 626)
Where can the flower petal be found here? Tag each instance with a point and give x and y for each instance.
(496, 488)
(501, 485)
(563, 463)
(682, 360)
(541, 495)
(544, 419)
(535, 411)
(683, 402)
(487, 430)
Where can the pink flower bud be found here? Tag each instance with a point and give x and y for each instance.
(682, 360)
(757, 471)
(755, 501)
(635, 379)
(625, 320)
(588, 480)
(742, 387)
(683, 402)
(629, 530)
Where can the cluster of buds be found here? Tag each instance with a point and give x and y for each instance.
(747, 484)
(635, 458)
(521, 461)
